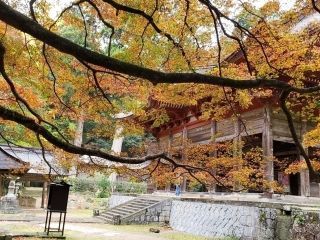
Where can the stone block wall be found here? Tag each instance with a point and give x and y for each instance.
(159, 213)
(116, 199)
(245, 220)
(223, 220)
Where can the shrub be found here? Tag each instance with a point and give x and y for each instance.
(129, 187)
(83, 184)
(102, 187)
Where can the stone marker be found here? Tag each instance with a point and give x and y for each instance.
(154, 230)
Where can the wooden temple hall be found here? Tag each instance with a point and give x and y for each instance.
(24, 167)
(263, 122)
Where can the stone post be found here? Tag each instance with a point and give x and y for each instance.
(9, 203)
(117, 140)
(116, 149)
(44, 195)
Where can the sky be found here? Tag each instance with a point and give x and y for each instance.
(60, 4)
(285, 4)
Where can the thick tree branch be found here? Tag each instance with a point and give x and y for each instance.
(32, 125)
(21, 22)
(314, 5)
(27, 25)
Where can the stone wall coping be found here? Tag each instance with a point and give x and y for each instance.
(264, 203)
(125, 194)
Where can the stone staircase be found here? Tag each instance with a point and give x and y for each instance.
(125, 212)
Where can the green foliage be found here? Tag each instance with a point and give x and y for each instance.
(197, 187)
(90, 137)
(102, 187)
(129, 187)
(299, 218)
(263, 217)
(83, 184)
(132, 141)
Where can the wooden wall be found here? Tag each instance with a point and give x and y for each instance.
(280, 128)
(1, 186)
(201, 134)
(226, 129)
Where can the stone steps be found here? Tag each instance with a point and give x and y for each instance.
(135, 207)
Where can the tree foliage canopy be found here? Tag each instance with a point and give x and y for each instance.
(91, 59)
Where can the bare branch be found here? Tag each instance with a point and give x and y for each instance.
(314, 5)
(97, 84)
(85, 27)
(149, 18)
(105, 23)
(283, 97)
(54, 79)
(32, 10)
(44, 157)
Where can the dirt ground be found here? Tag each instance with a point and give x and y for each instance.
(80, 224)
(97, 231)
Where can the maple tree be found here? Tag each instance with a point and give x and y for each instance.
(98, 58)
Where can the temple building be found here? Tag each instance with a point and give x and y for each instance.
(27, 167)
(263, 125)
(262, 122)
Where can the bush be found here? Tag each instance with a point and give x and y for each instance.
(129, 187)
(102, 187)
(197, 187)
(83, 184)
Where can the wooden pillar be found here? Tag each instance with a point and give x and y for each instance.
(169, 141)
(213, 132)
(267, 145)
(184, 139)
(237, 138)
(304, 182)
(1, 186)
(44, 196)
(304, 174)
(237, 148)
(168, 185)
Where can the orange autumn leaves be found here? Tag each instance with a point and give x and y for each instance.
(211, 164)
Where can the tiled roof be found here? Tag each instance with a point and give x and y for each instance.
(31, 156)
(9, 162)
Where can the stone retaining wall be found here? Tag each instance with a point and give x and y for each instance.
(158, 213)
(245, 220)
(222, 220)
